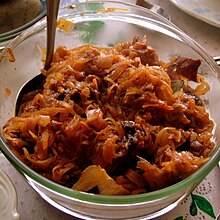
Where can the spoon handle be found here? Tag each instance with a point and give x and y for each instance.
(152, 7)
(52, 11)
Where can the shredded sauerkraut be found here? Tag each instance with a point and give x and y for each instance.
(114, 121)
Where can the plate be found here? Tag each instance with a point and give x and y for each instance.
(8, 198)
(205, 10)
(4, 37)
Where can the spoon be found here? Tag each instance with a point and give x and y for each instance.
(52, 11)
(152, 7)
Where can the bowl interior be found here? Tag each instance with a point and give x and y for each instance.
(94, 25)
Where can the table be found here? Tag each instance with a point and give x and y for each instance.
(32, 207)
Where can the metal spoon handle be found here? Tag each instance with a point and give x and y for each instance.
(152, 7)
(52, 11)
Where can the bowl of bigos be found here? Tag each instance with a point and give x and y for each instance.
(126, 123)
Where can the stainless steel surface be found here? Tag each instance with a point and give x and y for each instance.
(155, 8)
(217, 59)
(52, 11)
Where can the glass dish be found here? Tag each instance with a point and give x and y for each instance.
(105, 24)
(8, 196)
(6, 36)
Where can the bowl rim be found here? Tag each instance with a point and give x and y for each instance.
(125, 199)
